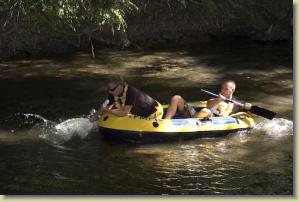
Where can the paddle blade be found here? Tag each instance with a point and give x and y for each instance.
(262, 112)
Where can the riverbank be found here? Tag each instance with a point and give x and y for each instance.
(137, 24)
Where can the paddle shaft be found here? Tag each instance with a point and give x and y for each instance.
(254, 109)
(226, 100)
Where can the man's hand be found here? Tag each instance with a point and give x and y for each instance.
(247, 106)
(104, 110)
(94, 117)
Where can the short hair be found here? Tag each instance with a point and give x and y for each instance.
(117, 80)
(228, 81)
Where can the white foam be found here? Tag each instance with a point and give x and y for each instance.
(65, 131)
(277, 127)
(80, 127)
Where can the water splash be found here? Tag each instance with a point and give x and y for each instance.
(32, 127)
(277, 127)
(65, 131)
(20, 128)
(36, 117)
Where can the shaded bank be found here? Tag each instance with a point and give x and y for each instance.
(189, 22)
(55, 29)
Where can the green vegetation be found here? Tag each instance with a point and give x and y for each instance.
(24, 22)
(58, 26)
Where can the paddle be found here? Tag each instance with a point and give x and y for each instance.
(254, 109)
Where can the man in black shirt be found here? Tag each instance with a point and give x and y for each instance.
(124, 99)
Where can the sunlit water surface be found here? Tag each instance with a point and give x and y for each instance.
(48, 146)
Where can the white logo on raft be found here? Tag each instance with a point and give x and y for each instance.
(197, 122)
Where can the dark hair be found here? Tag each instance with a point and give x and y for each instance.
(117, 80)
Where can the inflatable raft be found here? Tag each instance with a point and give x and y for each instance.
(138, 129)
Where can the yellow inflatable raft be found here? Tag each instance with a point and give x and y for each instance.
(138, 129)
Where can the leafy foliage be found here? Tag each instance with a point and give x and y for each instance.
(23, 21)
(52, 25)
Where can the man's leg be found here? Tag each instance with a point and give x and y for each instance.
(177, 103)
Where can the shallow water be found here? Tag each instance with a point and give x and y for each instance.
(48, 146)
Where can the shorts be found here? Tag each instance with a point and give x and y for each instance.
(188, 111)
(214, 111)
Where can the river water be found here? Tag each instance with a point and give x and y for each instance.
(48, 146)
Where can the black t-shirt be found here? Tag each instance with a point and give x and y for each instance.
(142, 104)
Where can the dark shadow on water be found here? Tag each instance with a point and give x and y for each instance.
(239, 53)
(51, 97)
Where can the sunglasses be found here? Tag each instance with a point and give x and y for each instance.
(113, 89)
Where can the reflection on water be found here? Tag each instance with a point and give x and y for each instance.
(223, 166)
(48, 145)
(241, 163)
